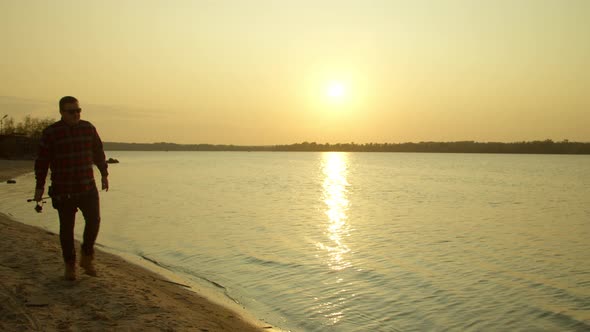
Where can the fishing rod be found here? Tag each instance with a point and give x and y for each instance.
(32, 199)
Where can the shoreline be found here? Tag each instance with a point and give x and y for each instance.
(10, 168)
(127, 295)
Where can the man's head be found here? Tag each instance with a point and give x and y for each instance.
(69, 110)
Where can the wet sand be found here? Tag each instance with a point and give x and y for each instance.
(124, 297)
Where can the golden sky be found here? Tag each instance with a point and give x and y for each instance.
(279, 72)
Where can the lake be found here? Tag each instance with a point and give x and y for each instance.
(359, 241)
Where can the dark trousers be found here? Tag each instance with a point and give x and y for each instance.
(67, 206)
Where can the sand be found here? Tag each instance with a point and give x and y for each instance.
(124, 297)
(13, 168)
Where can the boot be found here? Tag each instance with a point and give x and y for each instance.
(70, 271)
(87, 264)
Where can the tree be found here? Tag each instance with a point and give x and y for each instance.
(33, 127)
(7, 126)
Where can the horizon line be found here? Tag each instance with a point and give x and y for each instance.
(356, 143)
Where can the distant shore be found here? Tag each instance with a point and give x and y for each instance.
(34, 296)
(531, 147)
(21, 147)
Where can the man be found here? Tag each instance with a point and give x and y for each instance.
(69, 148)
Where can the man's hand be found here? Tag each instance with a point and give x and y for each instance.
(38, 195)
(105, 183)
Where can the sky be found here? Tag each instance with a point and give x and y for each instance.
(264, 72)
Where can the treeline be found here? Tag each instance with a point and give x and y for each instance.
(541, 147)
(531, 147)
(29, 126)
(20, 140)
(162, 146)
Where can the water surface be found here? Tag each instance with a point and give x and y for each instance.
(360, 241)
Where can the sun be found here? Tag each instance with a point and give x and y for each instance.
(336, 91)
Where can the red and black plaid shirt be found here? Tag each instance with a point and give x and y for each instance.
(70, 152)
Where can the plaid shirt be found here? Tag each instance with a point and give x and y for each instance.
(70, 152)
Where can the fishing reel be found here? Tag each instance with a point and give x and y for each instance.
(39, 205)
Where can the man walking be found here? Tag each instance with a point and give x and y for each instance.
(69, 148)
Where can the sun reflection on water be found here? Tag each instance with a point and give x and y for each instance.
(335, 170)
(334, 251)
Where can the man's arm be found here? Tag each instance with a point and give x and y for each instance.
(100, 160)
(42, 165)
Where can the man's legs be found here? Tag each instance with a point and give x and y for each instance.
(67, 218)
(90, 207)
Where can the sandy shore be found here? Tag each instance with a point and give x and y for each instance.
(13, 168)
(124, 297)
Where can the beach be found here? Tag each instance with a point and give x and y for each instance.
(124, 297)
